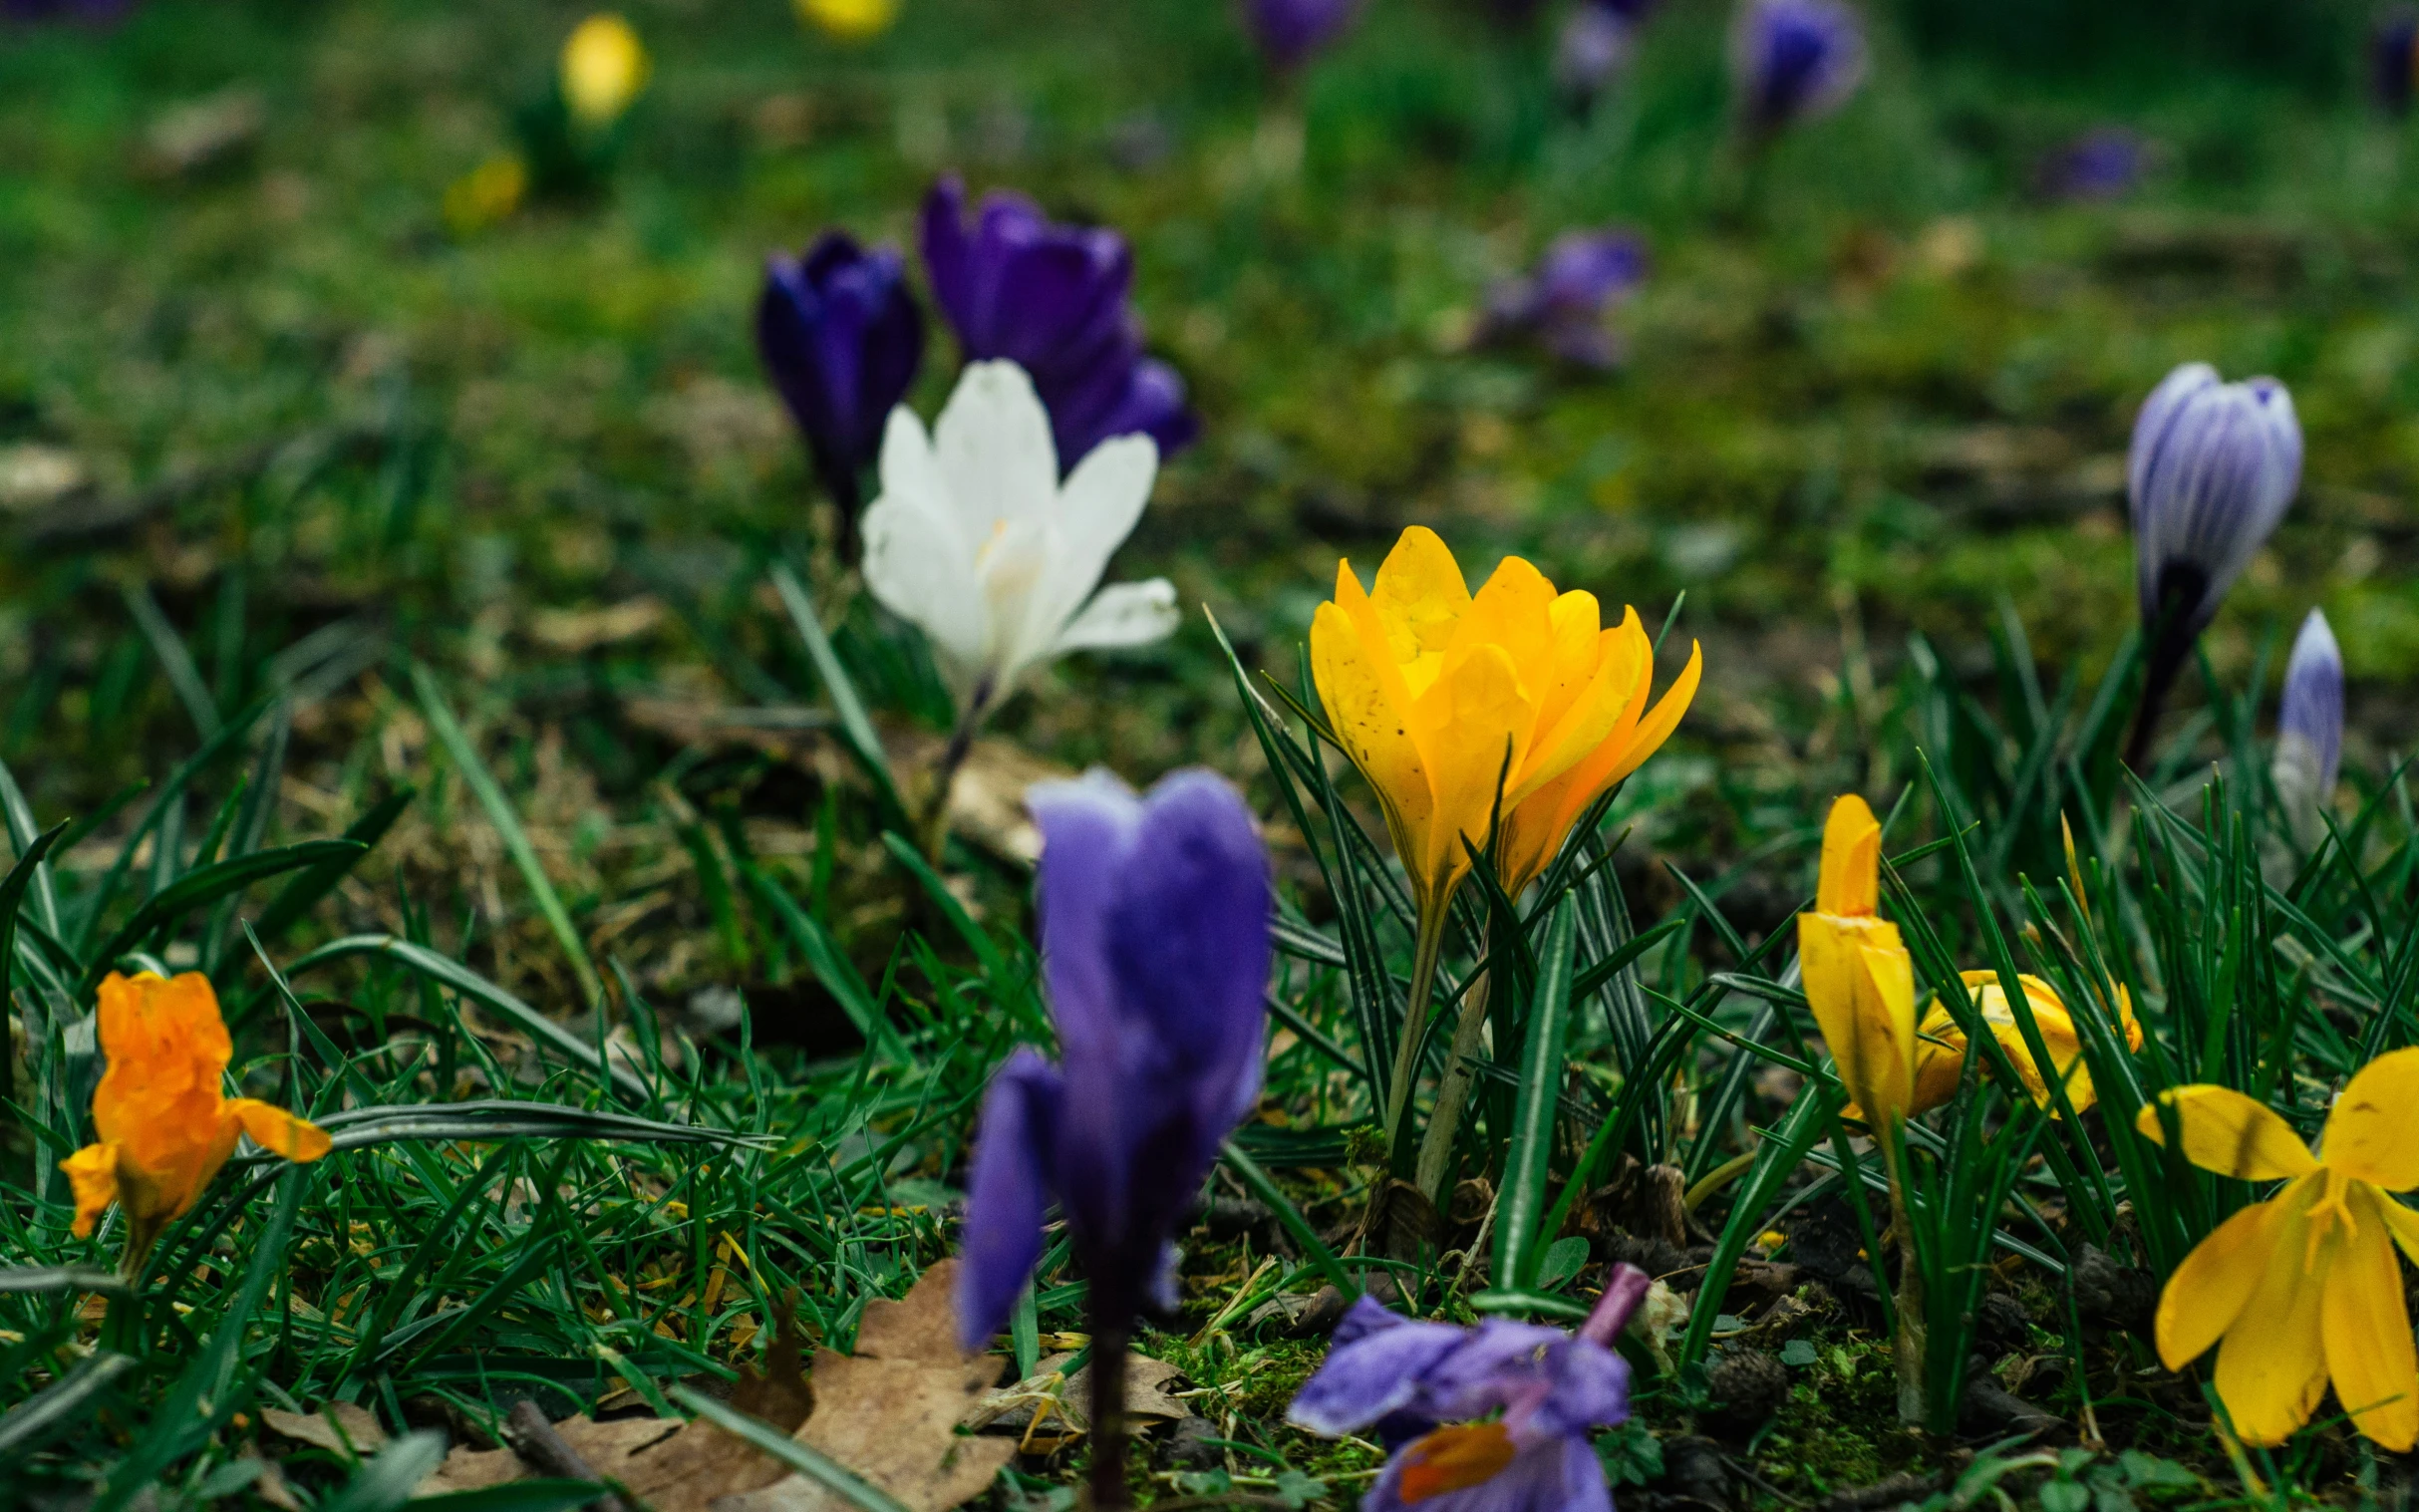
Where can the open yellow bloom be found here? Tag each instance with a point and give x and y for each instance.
(165, 1127)
(1940, 1055)
(1858, 977)
(2303, 1287)
(604, 66)
(1443, 700)
(849, 20)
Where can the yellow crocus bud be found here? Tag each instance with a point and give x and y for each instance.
(604, 66)
(849, 20)
(1858, 977)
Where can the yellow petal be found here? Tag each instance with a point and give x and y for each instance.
(92, 1174)
(2209, 1290)
(1851, 881)
(1579, 647)
(278, 1132)
(1514, 611)
(1421, 595)
(2367, 1328)
(2271, 1370)
(1367, 708)
(1472, 728)
(1884, 1012)
(2402, 1223)
(1939, 1062)
(604, 66)
(2227, 1132)
(2372, 1134)
(1830, 951)
(2057, 1028)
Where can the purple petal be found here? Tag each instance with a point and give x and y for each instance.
(1377, 1372)
(842, 339)
(1587, 1388)
(2312, 711)
(1793, 60)
(1007, 1194)
(2393, 51)
(1287, 32)
(2213, 468)
(1556, 1475)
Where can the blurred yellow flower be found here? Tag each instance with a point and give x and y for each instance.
(1940, 1056)
(604, 67)
(1858, 977)
(2303, 1288)
(849, 20)
(1447, 701)
(165, 1127)
(490, 192)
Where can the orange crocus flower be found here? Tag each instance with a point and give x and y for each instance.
(166, 1129)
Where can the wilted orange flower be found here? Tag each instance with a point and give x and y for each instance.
(165, 1127)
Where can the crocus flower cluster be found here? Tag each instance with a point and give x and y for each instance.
(1583, 277)
(2303, 1288)
(2393, 60)
(1939, 1055)
(165, 1127)
(842, 338)
(2214, 466)
(1155, 948)
(1288, 33)
(1495, 1418)
(2309, 728)
(1793, 61)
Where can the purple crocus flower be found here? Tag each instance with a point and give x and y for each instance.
(1583, 275)
(1289, 32)
(2105, 163)
(2393, 58)
(1432, 1391)
(2214, 466)
(1154, 928)
(2309, 726)
(90, 12)
(842, 338)
(1052, 299)
(1794, 60)
(1598, 39)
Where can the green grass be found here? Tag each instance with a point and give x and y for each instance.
(358, 491)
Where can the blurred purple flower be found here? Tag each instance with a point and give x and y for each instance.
(1794, 60)
(1421, 1384)
(842, 338)
(1563, 305)
(2105, 163)
(2393, 58)
(1287, 32)
(1052, 299)
(1154, 928)
(2309, 726)
(1595, 45)
(90, 12)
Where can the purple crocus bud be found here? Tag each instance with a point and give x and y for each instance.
(1583, 277)
(1433, 1391)
(1289, 32)
(1052, 298)
(2212, 469)
(2393, 60)
(1794, 60)
(1155, 927)
(1595, 45)
(2309, 726)
(842, 338)
(2105, 163)
(89, 12)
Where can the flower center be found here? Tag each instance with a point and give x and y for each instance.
(2332, 1211)
(1454, 1459)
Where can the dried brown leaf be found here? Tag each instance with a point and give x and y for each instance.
(340, 1427)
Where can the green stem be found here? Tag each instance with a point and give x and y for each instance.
(935, 822)
(1909, 1344)
(1452, 1094)
(1424, 954)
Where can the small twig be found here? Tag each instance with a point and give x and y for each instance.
(1761, 1484)
(535, 1440)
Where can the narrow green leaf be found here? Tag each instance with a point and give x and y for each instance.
(207, 885)
(62, 1404)
(304, 890)
(856, 728)
(1289, 1217)
(1530, 1159)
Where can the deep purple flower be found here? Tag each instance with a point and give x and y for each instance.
(1432, 1391)
(2212, 469)
(2107, 162)
(1289, 32)
(1155, 927)
(1052, 299)
(92, 12)
(1583, 275)
(2393, 58)
(1794, 60)
(2309, 726)
(842, 338)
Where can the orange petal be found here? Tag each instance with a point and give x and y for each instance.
(278, 1132)
(93, 1172)
(2229, 1133)
(1454, 1459)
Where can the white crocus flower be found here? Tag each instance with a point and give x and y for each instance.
(976, 542)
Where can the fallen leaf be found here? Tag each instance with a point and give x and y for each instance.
(625, 1448)
(1069, 1397)
(340, 1427)
(575, 630)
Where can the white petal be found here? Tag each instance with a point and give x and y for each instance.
(909, 467)
(916, 562)
(995, 449)
(1123, 614)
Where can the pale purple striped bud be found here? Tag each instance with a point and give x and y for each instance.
(2309, 726)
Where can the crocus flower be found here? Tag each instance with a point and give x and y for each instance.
(1289, 32)
(1583, 275)
(2213, 468)
(1494, 1418)
(1155, 948)
(1858, 978)
(1593, 45)
(849, 20)
(604, 66)
(976, 542)
(1052, 299)
(2302, 1289)
(89, 11)
(2393, 56)
(842, 338)
(2107, 162)
(1794, 60)
(166, 1129)
(1939, 1055)
(2309, 726)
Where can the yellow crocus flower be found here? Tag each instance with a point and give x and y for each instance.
(1444, 700)
(1939, 1055)
(164, 1126)
(1858, 977)
(2303, 1288)
(604, 66)
(849, 20)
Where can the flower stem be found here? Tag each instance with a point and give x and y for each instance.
(1452, 1094)
(1429, 946)
(934, 819)
(1909, 1344)
(1107, 1408)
